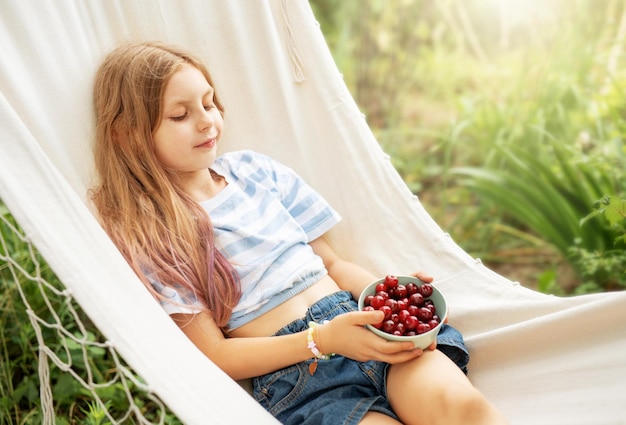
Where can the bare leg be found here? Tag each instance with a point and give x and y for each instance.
(377, 418)
(432, 390)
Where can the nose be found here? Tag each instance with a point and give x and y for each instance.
(206, 120)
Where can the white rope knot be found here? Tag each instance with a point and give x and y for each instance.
(45, 389)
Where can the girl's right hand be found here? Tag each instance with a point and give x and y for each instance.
(347, 335)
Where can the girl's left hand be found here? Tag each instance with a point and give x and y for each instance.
(422, 276)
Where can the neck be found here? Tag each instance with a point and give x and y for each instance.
(203, 185)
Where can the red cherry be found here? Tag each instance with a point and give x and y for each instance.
(389, 326)
(393, 304)
(426, 289)
(387, 310)
(368, 300)
(424, 314)
(422, 328)
(400, 291)
(411, 322)
(417, 299)
(411, 288)
(400, 328)
(369, 308)
(402, 315)
(391, 281)
(403, 304)
(412, 309)
(433, 323)
(377, 302)
(395, 318)
(380, 287)
(383, 294)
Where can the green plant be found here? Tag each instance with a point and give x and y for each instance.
(95, 414)
(613, 209)
(604, 270)
(546, 192)
(34, 309)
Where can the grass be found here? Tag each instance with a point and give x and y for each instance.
(34, 312)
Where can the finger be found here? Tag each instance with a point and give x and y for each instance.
(362, 318)
(402, 357)
(394, 347)
(423, 276)
(433, 346)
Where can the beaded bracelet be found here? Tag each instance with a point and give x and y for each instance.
(313, 347)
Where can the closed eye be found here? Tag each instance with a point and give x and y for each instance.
(179, 117)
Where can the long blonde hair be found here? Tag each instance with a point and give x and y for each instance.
(160, 230)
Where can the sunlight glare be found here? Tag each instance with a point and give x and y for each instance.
(522, 12)
(531, 17)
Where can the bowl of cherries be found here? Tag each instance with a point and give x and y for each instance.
(414, 310)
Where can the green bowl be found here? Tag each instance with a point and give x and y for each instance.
(422, 340)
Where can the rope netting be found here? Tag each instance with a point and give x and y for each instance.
(56, 367)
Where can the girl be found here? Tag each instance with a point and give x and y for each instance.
(234, 249)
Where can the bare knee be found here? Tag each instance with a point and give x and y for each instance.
(432, 390)
(467, 405)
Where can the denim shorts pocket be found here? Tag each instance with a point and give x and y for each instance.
(278, 390)
(376, 372)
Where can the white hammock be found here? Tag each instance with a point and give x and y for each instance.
(541, 359)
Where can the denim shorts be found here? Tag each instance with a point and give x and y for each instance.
(341, 391)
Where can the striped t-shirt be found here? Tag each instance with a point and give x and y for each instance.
(263, 221)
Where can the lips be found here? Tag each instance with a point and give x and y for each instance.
(207, 144)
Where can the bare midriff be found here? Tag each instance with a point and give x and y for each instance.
(285, 313)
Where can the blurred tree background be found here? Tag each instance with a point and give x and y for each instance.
(506, 117)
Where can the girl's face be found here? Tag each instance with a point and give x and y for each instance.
(191, 125)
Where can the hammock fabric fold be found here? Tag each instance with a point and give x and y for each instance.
(541, 359)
